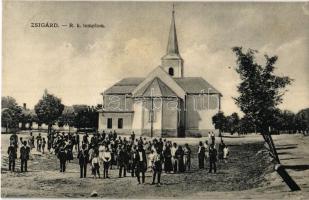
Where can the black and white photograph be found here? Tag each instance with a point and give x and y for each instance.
(155, 100)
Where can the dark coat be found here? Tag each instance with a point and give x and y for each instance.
(179, 155)
(83, 157)
(123, 157)
(141, 166)
(12, 153)
(212, 154)
(168, 166)
(137, 157)
(62, 155)
(24, 152)
(201, 154)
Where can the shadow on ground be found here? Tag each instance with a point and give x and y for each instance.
(297, 167)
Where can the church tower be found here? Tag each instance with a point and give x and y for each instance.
(172, 62)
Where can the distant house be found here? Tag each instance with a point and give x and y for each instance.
(164, 103)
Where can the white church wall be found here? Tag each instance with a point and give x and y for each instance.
(102, 122)
(200, 110)
(137, 124)
(157, 123)
(169, 117)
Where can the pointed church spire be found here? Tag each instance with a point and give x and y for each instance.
(172, 62)
(172, 45)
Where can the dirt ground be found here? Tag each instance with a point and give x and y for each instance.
(248, 174)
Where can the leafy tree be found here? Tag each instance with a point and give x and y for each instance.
(67, 117)
(232, 123)
(246, 125)
(27, 116)
(260, 92)
(260, 89)
(287, 121)
(219, 120)
(302, 120)
(6, 119)
(85, 117)
(10, 113)
(49, 109)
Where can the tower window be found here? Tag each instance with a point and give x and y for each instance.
(171, 71)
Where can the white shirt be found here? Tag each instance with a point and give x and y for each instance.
(173, 151)
(140, 156)
(95, 160)
(206, 147)
(225, 152)
(107, 156)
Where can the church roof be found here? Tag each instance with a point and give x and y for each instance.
(155, 88)
(124, 86)
(196, 85)
(191, 85)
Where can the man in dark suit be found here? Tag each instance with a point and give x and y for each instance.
(141, 164)
(201, 155)
(77, 142)
(62, 156)
(12, 157)
(133, 160)
(123, 160)
(83, 157)
(212, 158)
(24, 156)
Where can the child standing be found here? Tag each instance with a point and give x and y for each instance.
(95, 165)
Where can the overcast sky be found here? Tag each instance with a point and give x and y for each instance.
(78, 64)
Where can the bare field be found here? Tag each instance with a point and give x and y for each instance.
(248, 174)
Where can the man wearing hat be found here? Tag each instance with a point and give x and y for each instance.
(24, 156)
(83, 157)
(62, 156)
(141, 163)
(12, 157)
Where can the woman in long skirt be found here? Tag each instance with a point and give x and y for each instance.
(168, 166)
(179, 156)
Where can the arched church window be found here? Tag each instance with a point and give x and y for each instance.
(171, 71)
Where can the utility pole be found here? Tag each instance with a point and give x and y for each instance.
(151, 118)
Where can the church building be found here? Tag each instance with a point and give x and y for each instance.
(165, 103)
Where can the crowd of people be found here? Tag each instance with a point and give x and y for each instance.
(129, 155)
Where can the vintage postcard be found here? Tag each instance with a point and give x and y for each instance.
(135, 99)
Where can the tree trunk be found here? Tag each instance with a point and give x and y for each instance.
(287, 178)
(278, 167)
